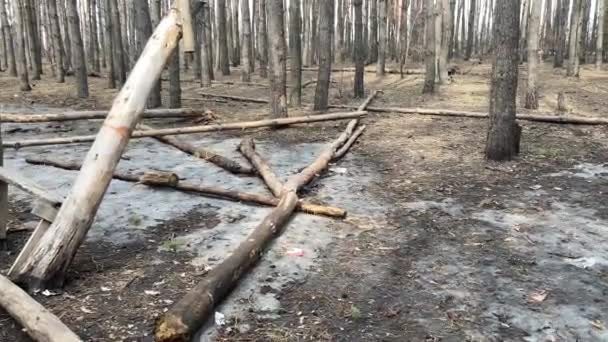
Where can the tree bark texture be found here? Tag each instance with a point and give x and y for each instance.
(24, 81)
(429, 80)
(359, 52)
(278, 56)
(295, 53)
(533, 55)
(78, 56)
(326, 25)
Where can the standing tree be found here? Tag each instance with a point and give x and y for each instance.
(262, 38)
(144, 31)
(295, 53)
(446, 36)
(599, 45)
(429, 80)
(206, 64)
(381, 38)
(278, 55)
(246, 56)
(28, 15)
(359, 52)
(503, 132)
(326, 28)
(561, 13)
(120, 61)
(471, 31)
(106, 11)
(222, 36)
(573, 40)
(175, 89)
(80, 67)
(236, 48)
(6, 30)
(20, 43)
(373, 32)
(56, 39)
(403, 32)
(533, 54)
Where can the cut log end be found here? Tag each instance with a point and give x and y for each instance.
(171, 329)
(159, 178)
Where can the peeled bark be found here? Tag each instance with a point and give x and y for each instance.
(503, 132)
(47, 263)
(381, 38)
(295, 53)
(359, 84)
(78, 61)
(278, 55)
(429, 80)
(533, 55)
(326, 24)
(24, 81)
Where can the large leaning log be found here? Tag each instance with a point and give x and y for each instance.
(188, 315)
(39, 323)
(194, 129)
(212, 191)
(50, 258)
(203, 153)
(158, 113)
(558, 119)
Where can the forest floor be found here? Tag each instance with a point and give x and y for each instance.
(439, 244)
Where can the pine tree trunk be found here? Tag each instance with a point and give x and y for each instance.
(278, 56)
(246, 68)
(236, 48)
(403, 38)
(326, 28)
(584, 32)
(31, 29)
(295, 53)
(222, 34)
(206, 66)
(118, 51)
(56, 40)
(533, 55)
(67, 41)
(262, 39)
(373, 32)
(471, 31)
(429, 81)
(599, 47)
(446, 19)
(6, 28)
(108, 28)
(560, 33)
(78, 57)
(24, 81)
(380, 66)
(175, 89)
(503, 132)
(452, 28)
(95, 37)
(359, 51)
(144, 31)
(573, 40)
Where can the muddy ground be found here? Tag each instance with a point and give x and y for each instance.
(439, 245)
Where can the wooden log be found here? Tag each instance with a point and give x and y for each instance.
(159, 178)
(569, 119)
(235, 98)
(187, 315)
(273, 182)
(194, 129)
(342, 151)
(203, 153)
(159, 113)
(215, 192)
(368, 100)
(386, 71)
(39, 323)
(46, 265)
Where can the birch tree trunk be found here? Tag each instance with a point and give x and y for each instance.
(573, 40)
(533, 55)
(224, 63)
(6, 29)
(599, 45)
(24, 81)
(326, 28)
(381, 37)
(50, 258)
(246, 67)
(278, 55)
(471, 31)
(295, 53)
(359, 51)
(78, 57)
(503, 132)
(429, 80)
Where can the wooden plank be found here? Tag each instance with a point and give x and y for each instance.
(11, 177)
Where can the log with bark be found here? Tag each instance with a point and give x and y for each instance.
(203, 153)
(39, 323)
(386, 71)
(215, 192)
(96, 114)
(247, 148)
(235, 98)
(570, 119)
(189, 314)
(194, 129)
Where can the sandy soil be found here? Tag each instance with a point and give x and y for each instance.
(439, 244)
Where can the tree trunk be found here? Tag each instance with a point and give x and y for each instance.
(206, 65)
(3, 194)
(96, 66)
(573, 40)
(446, 19)
(561, 13)
(342, 6)
(119, 58)
(56, 40)
(50, 258)
(452, 28)
(599, 47)
(78, 57)
(246, 68)
(222, 36)
(471, 31)
(429, 81)
(144, 31)
(403, 36)
(326, 28)
(295, 53)
(236, 48)
(175, 88)
(533, 55)
(359, 52)
(373, 32)
(31, 29)
(278, 55)
(262, 39)
(584, 31)
(503, 132)
(67, 41)
(381, 37)
(6, 29)
(20, 44)
(108, 49)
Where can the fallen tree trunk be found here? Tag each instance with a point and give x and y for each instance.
(188, 315)
(342, 151)
(247, 148)
(203, 153)
(235, 98)
(39, 323)
(565, 119)
(212, 191)
(193, 129)
(52, 255)
(386, 71)
(95, 114)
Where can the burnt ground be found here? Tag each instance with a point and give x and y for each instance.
(462, 249)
